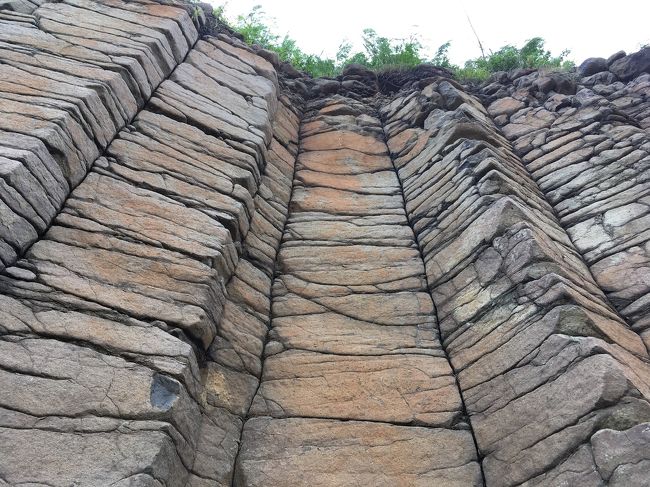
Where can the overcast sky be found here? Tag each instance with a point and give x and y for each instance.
(586, 28)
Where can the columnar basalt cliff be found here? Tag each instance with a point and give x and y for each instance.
(215, 271)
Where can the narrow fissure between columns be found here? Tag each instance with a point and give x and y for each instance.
(233, 482)
(442, 344)
(352, 351)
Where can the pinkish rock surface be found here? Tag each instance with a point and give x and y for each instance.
(207, 279)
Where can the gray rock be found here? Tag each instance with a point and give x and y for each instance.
(357, 70)
(324, 87)
(632, 65)
(545, 84)
(592, 65)
(270, 56)
(268, 279)
(289, 71)
(623, 456)
(451, 97)
(565, 85)
(615, 57)
(604, 78)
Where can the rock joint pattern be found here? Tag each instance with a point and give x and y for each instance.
(215, 271)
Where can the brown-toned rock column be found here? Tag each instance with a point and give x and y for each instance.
(72, 74)
(355, 387)
(230, 375)
(107, 321)
(553, 379)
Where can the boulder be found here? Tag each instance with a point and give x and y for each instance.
(289, 71)
(356, 69)
(565, 85)
(451, 97)
(505, 106)
(615, 57)
(545, 84)
(592, 65)
(325, 87)
(632, 65)
(270, 56)
(604, 77)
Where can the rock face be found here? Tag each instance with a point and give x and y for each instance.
(353, 334)
(215, 271)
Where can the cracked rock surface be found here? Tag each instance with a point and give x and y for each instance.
(216, 272)
(355, 385)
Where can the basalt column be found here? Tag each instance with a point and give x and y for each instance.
(108, 322)
(555, 384)
(355, 387)
(589, 151)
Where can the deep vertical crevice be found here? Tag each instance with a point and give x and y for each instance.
(435, 309)
(274, 275)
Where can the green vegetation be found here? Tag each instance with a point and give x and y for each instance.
(531, 55)
(255, 30)
(380, 53)
(383, 53)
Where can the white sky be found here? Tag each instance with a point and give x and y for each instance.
(586, 28)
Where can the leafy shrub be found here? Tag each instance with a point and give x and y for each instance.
(531, 55)
(381, 53)
(255, 29)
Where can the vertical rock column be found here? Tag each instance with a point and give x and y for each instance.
(355, 387)
(72, 75)
(107, 320)
(590, 155)
(231, 373)
(555, 384)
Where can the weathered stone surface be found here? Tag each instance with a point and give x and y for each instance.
(394, 389)
(66, 92)
(87, 454)
(590, 162)
(205, 281)
(330, 453)
(622, 456)
(520, 314)
(353, 335)
(111, 324)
